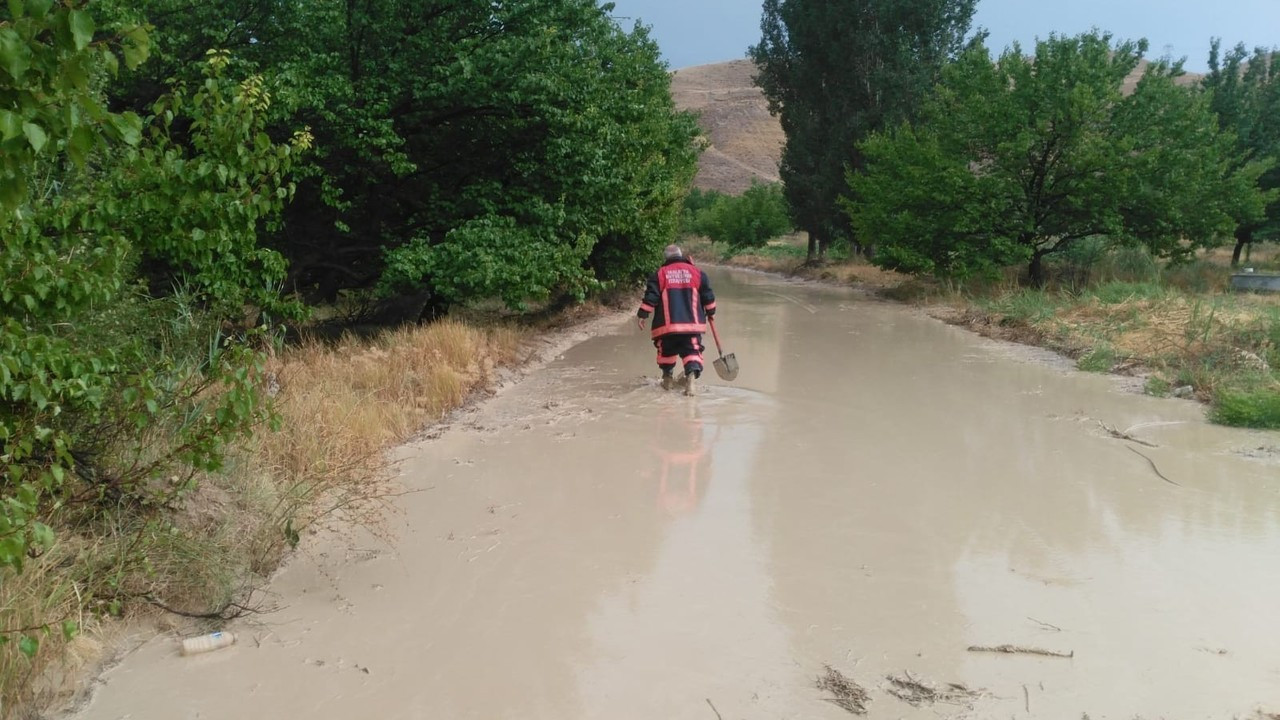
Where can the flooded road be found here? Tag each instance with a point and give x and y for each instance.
(877, 492)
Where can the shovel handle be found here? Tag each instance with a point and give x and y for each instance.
(715, 334)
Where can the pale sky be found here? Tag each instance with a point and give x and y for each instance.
(696, 32)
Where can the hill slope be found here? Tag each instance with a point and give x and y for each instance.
(746, 141)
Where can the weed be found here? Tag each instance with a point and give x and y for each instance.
(1026, 307)
(1255, 405)
(1119, 292)
(1100, 359)
(1157, 386)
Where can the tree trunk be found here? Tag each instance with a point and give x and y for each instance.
(1244, 236)
(1036, 270)
(815, 248)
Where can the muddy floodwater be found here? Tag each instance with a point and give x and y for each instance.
(877, 492)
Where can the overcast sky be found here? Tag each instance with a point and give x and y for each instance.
(696, 32)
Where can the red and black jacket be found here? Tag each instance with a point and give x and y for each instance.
(679, 297)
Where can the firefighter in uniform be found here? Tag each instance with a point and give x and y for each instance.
(680, 299)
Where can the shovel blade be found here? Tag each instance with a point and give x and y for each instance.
(726, 367)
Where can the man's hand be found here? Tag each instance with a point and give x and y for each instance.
(640, 323)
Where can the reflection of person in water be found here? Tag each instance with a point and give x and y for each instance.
(685, 461)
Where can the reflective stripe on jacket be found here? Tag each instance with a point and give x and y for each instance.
(680, 298)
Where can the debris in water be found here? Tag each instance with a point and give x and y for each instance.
(1152, 463)
(1122, 435)
(848, 694)
(1045, 625)
(1014, 649)
(919, 693)
(714, 710)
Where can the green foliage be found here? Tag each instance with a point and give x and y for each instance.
(1099, 359)
(749, 220)
(1017, 160)
(111, 390)
(49, 60)
(1118, 292)
(1254, 407)
(1244, 93)
(440, 124)
(1025, 306)
(696, 203)
(198, 203)
(836, 71)
(1157, 386)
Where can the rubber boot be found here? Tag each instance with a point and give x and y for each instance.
(691, 383)
(668, 381)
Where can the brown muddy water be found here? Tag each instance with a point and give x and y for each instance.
(878, 492)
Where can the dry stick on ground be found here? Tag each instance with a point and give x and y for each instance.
(1045, 625)
(848, 694)
(1016, 650)
(714, 710)
(1121, 435)
(1026, 697)
(1152, 463)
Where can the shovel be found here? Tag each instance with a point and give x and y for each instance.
(727, 365)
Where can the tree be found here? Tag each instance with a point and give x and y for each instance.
(1245, 95)
(748, 220)
(464, 148)
(834, 71)
(1015, 160)
(104, 387)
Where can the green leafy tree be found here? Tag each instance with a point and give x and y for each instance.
(1245, 94)
(464, 148)
(835, 71)
(697, 202)
(55, 266)
(106, 391)
(748, 220)
(1015, 160)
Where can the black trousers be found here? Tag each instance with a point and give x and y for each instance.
(680, 346)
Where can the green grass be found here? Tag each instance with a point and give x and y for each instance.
(1157, 386)
(1118, 292)
(779, 251)
(1257, 407)
(1024, 306)
(1100, 359)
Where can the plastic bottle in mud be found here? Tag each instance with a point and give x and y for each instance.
(206, 643)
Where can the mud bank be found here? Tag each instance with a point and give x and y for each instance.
(878, 492)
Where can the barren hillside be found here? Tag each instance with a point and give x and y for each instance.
(746, 141)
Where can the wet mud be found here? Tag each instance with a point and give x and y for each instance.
(877, 495)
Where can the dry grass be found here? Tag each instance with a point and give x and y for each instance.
(787, 255)
(845, 692)
(1224, 348)
(341, 406)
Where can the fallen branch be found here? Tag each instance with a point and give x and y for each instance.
(1121, 435)
(1014, 650)
(714, 710)
(1045, 625)
(1152, 463)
